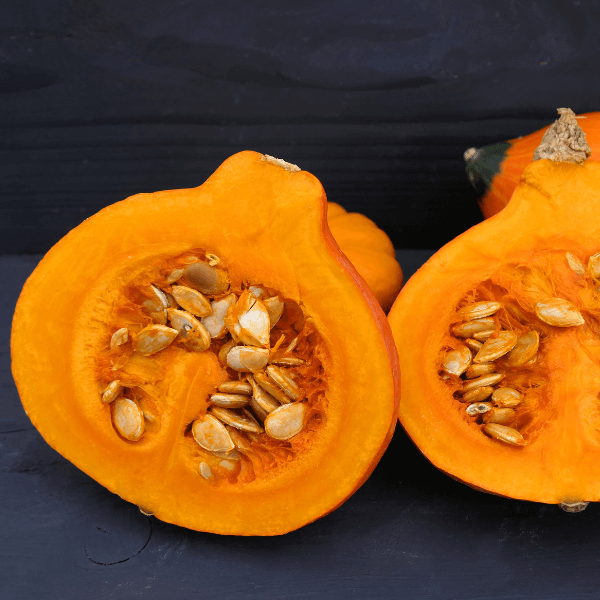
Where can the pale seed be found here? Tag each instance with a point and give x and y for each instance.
(248, 321)
(479, 310)
(119, 337)
(243, 422)
(286, 421)
(525, 349)
(504, 434)
(467, 329)
(231, 455)
(291, 345)
(213, 259)
(112, 390)
(496, 347)
(477, 394)
(479, 370)
(174, 275)
(257, 291)
(236, 387)
(184, 322)
(275, 308)
(239, 439)
(506, 397)
(484, 380)
(154, 338)
(244, 358)
(262, 398)
(473, 344)
(198, 340)
(575, 264)
(128, 419)
(206, 279)
(285, 382)
(229, 400)
(478, 408)
(224, 351)
(230, 465)
(457, 361)
(558, 312)
(159, 317)
(500, 415)
(215, 323)
(594, 266)
(191, 300)
(205, 470)
(287, 361)
(267, 384)
(211, 434)
(160, 295)
(482, 336)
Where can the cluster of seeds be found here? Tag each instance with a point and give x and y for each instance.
(198, 311)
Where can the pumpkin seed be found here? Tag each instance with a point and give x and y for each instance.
(230, 465)
(224, 351)
(236, 387)
(575, 264)
(275, 308)
(477, 394)
(112, 390)
(211, 434)
(473, 344)
(262, 398)
(457, 361)
(286, 421)
(239, 439)
(482, 336)
(191, 300)
(231, 455)
(479, 310)
(504, 434)
(502, 416)
(247, 358)
(496, 347)
(291, 345)
(215, 323)
(229, 400)
(467, 329)
(160, 295)
(119, 337)
(128, 419)
(154, 338)
(558, 312)
(244, 422)
(287, 361)
(594, 266)
(525, 349)
(480, 369)
(174, 275)
(484, 380)
(478, 408)
(283, 380)
(213, 259)
(207, 279)
(267, 384)
(198, 340)
(205, 470)
(248, 321)
(257, 291)
(184, 322)
(506, 397)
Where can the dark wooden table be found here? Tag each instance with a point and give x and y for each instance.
(410, 532)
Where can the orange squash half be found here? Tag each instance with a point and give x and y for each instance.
(260, 224)
(525, 285)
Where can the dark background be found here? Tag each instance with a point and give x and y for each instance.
(103, 99)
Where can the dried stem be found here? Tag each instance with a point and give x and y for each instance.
(564, 140)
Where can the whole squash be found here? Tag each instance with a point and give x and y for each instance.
(495, 170)
(201, 353)
(498, 336)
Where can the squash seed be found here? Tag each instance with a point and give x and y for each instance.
(239, 439)
(558, 312)
(285, 382)
(257, 291)
(215, 323)
(205, 470)
(206, 279)
(525, 349)
(119, 337)
(184, 322)
(231, 455)
(191, 300)
(211, 434)
(496, 347)
(477, 394)
(287, 361)
(275, 308)
(575, 264)
(479, 370)
(248, 321)
(482, 336)
(484, 380)
(128, 419)
(473, 344)
(247, 358)
(478, 408)
(594, 266)
(502, 416)
(160, 295)
(269, 386)
(467, 329)
(224, 351)
(229, 400)
(244, 422)
(457, 361)
(506, 397)
(286, 421)
(236, 387)
(174, 275)
(262, 398)
(504, 434)
(213, 259)
(198, 340)
(154, 338)
(112, 390)
(479, 310)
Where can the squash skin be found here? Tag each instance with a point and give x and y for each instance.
(497, 168)
(254, 201)
(550, 210)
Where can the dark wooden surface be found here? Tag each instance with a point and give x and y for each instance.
(410, 531)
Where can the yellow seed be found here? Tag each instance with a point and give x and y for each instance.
(575, 264)
(594, 266)
(484, 380)
(128, 419)
(477, 394)
(558, 312)
(502, 416)
(482, 336)
(479, 370)
(467, 329)
(504, 434)
(457, 361)
(525, 349)
(479, 310)
(496, 347)
(154, 338)
(506, 397)
(473, 344)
